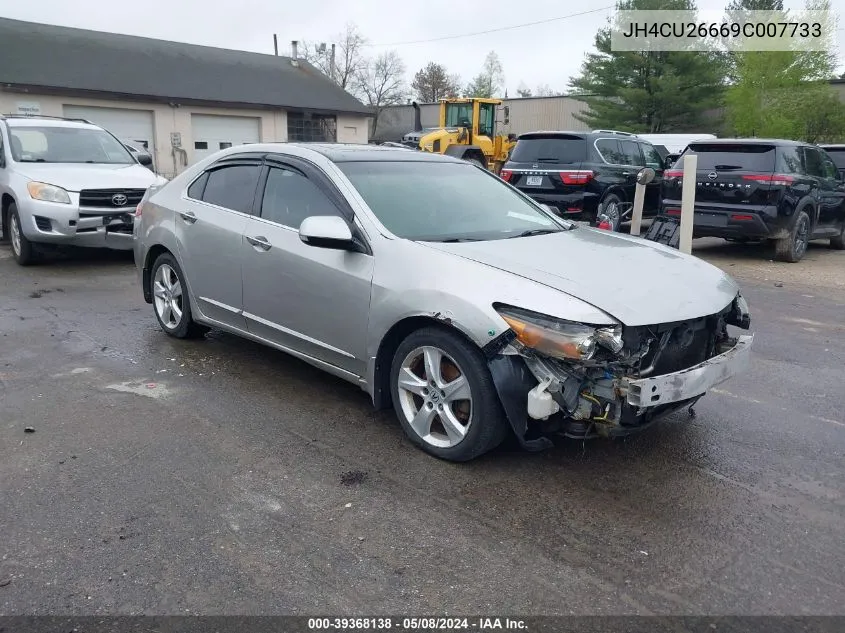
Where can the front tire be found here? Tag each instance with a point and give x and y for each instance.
(793, 247)
(444, 396)
(170, 299)
(22, 249)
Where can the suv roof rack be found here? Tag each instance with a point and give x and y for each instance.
(613, 132)
(44, 116)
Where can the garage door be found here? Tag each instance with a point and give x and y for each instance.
(213, 133)
(130, 126)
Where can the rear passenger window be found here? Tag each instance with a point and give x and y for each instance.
(232, 187)
(609, 149)
(631, 153)
(813, 162)
(289, 198)
(789, 160)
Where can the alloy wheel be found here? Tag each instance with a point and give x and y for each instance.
(435, 396)
(168, 296)
(15, 231)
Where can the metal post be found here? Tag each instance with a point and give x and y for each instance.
(688, 203)
(332, 64)
(639, 201)
(276, 44)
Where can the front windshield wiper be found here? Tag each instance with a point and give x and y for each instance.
(532, 232)
(453, 240)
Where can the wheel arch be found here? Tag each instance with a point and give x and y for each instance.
(6, 201)
(391, 341)
(153, 253)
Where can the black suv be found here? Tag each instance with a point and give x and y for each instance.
(573, 172)
(752, 189)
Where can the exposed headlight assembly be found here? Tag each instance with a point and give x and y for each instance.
(740, 315)
(47, 193)
(558, 338)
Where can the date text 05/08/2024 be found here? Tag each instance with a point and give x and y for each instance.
(416, 624)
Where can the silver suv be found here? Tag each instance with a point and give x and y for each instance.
(66, 181)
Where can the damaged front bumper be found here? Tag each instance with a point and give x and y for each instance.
(540, 399)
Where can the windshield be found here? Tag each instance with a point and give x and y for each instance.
(433, 201)
(732, 156)
(559, 149)
(52, 144)
(838, 156)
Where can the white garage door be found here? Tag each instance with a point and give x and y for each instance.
(212, 133)
(130, 126)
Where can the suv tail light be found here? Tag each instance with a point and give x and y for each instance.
(576, 176)
(770, 179)
(506, 175)
(673, 173)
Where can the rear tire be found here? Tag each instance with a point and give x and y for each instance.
(472, 421)
(171, 303)
(838, 243)
(793, 247)
(611, 202)
(22, 249)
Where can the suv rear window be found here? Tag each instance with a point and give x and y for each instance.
(734, 156)
(550, 149)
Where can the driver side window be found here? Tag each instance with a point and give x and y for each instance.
(290, 197)
(485, 119)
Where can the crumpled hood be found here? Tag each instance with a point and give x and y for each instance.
(636, 281)
(76, 177)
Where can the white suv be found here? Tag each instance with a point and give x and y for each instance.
(66, 181)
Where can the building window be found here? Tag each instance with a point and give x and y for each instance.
(200, 145)
(317, 128)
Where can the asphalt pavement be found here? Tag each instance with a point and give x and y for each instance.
(223, 477)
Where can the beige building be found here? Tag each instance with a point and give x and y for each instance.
(179, 101)
(527, 114)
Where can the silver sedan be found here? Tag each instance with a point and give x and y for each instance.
(440, 290)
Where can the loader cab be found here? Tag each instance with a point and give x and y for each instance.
(478, 116)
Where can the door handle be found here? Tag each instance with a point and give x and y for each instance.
(189, 216)
(260, 241)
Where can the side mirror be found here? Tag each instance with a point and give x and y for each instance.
(327, 231)
(145, 159)
(645, 176)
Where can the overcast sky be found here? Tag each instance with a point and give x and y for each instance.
(548, 53)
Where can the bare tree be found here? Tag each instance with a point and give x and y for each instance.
(488, 83)
(523, 90)
(349, 60)
(382, 83)
(545, 90)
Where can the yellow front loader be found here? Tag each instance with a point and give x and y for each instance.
(467, 130)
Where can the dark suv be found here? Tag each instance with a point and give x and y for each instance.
(752, 189)
(573, 172)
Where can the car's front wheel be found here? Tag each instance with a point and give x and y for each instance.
(170, 299)
(444, 396)
(22, 249)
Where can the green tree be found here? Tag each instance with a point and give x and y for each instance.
(433, 83)
(786, 94)
(488, 83)
(648, 91)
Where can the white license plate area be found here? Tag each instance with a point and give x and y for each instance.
(534, 181)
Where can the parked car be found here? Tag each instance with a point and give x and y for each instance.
(140, 153)
(66, 182)
(575, 172)
(752, 189)
(438, 289)
(837, 154)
